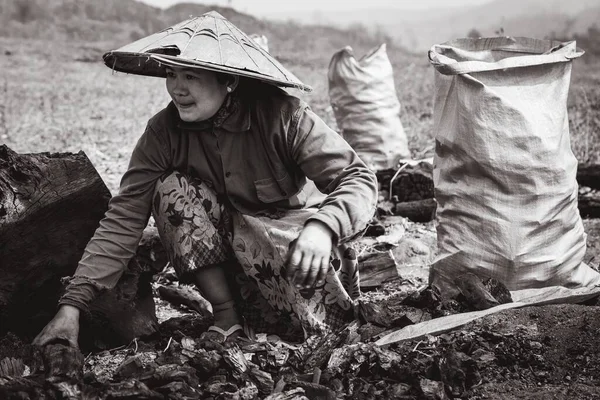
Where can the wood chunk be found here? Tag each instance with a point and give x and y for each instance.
(217, 388)
(315, 391)
(62, 363)
(165, 374)
(589, 175)
(376, 268)
(119, 315)
(386, 359)
(321, 353)
(294, 394)
(589, 206)
(11, 367)
(131, 390)
(474, 292)
(498, 290)
(374, 313)
(374, 230)
(340, 359)
(399, 391)
(206, 362)
(50, 206)
(235, 358)
(414, 182)
(248, 392)
(179, 389)
(187, 296)
(264, 381)
(151, 252)
(370, 331)
(22, 388)
(417, 211)
(432, 390)
(132, 367)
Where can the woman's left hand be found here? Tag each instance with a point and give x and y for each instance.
(308, 258)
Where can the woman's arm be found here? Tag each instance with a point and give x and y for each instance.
(351, 188)
(116, 240)
(328, 160)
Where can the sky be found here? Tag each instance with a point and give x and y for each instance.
(270, 7)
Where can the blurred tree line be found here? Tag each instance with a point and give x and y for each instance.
(121, 21)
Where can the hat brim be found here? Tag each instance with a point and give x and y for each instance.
(152, 64)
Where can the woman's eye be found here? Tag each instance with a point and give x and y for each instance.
(190, 77)
(170, 74)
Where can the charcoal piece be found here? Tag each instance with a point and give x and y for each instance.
(216, 388)
(475, 294)
(132, 367)
(11, 367)
(264, 381)
(168, 373)
(294, 394)
(498, 290)
(206, 362)
(62, 363)
(131, 390)
(315, 391)
(179, 390)
(374, 230)
(432, 390)
(187, 296)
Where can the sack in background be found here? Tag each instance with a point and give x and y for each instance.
(504, 172)
(366, 107)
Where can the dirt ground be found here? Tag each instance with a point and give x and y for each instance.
(544, 352)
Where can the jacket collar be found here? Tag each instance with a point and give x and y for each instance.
(233, 116)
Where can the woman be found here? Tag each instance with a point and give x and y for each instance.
(230, 170)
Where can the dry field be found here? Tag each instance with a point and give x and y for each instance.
(59, 97)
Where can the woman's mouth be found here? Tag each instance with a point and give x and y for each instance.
(185, 105)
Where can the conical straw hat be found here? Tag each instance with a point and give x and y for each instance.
(209, 42)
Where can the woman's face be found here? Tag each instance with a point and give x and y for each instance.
(195, 92)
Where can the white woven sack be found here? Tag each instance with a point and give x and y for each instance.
(367, 111)
(504, 172)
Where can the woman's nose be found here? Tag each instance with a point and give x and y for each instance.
(180, 86)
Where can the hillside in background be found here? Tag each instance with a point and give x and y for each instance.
(418, 30)
(122, 21)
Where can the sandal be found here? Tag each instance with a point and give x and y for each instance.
(225, 335)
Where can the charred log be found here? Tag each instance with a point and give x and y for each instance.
(50, 206)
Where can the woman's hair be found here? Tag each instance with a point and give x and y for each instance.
(247, 86)
(223, 77)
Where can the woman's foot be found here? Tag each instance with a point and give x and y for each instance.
(226, 326)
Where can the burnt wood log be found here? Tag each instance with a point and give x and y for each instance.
(589, 175)
(376, 268)
(414, 182)
(417, 211)
(50, 206)
(589, 205)
(187, 296)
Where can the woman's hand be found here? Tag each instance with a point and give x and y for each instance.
(64, 327)
(308, 258)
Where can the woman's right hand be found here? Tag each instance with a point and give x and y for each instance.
(64, 327)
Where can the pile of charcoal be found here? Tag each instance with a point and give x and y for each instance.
(179, 364)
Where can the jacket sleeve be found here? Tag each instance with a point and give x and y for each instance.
(328, 160)
(116, 239)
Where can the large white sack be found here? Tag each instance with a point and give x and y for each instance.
(504, 172)
(367, 111)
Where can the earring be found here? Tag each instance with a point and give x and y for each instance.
(229, 89)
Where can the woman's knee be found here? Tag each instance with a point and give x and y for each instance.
(176, 186)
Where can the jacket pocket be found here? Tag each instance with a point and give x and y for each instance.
(271, 190)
